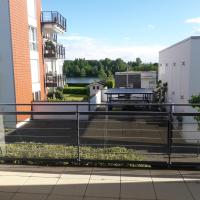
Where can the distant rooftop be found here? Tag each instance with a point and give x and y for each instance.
(129, 91)
(185, 40)
(143, 73)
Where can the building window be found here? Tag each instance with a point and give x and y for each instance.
(174, 64)
(93, 87)
(183, 63)
(31, 7)
(97, 87)
(35, 73)
(37, 96)
(33, 38)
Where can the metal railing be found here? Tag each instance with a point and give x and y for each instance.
(53, 80)
(159, 134)
(52, 36)
(53, 17)
(54, 51)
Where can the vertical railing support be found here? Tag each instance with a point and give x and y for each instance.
(78, 134)
(170, 135)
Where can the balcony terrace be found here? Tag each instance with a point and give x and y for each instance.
(54, 18)
(60, 183)
(53, 80)
(54, 51)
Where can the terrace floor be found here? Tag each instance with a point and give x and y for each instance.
(63, 183)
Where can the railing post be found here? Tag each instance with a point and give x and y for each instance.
(78, 135)
(169, 140)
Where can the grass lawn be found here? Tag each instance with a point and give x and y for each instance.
(75, 97)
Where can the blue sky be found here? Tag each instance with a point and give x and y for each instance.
(125, 28)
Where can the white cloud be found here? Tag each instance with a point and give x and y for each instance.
(150, 26)
(127, 38)
(193, 21)
(90, 48)
(197, 31)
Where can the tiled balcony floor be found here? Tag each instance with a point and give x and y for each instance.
(63, 183)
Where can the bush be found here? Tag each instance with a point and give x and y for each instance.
(78, 84)
(76, 90)
(60, 89)
(50, 151)
(110, 84)
(50, 95)
(59, 95)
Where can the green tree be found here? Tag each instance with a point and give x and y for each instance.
(102, 74)
(195, 100)
(138, 61)
(82, 73)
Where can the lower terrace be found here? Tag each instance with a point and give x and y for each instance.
(61, 183)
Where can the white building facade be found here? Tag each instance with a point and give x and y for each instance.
(179, 66)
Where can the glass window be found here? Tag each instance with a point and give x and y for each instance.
(35, 71)
(33, 38)
(31, 6)
(37, 96)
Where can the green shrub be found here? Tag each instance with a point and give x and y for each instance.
(76, 90)
(78, 84)
(50, 151)
(110, 83)
(59, 95)
(50, 95)
(60, 89)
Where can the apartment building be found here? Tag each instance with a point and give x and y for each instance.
(53, 24)
(179, 66)
(134, 79)
(28, 52)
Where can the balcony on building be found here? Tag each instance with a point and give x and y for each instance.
(54, 79)
(53, 19)
(54, 51)
(50, 36)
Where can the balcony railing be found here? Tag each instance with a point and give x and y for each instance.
(53, 80)
(52, 50)
(52, 37)
(60, 132)
(53, 17)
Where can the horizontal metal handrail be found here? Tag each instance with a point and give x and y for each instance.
(85, 113)
(58, 103)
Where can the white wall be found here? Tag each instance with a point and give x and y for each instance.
(194, 85)
(94, 91)
(59, 66)
(103, 95)
(96, 99)
(174, 72)
(83, 107)
(145, 83)
(183, 80)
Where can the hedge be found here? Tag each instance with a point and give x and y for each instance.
(75, 90)
(78, 84)
(49, 151)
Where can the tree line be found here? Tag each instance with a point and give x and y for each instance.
(104, 69)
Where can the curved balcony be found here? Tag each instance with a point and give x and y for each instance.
(54, 18)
